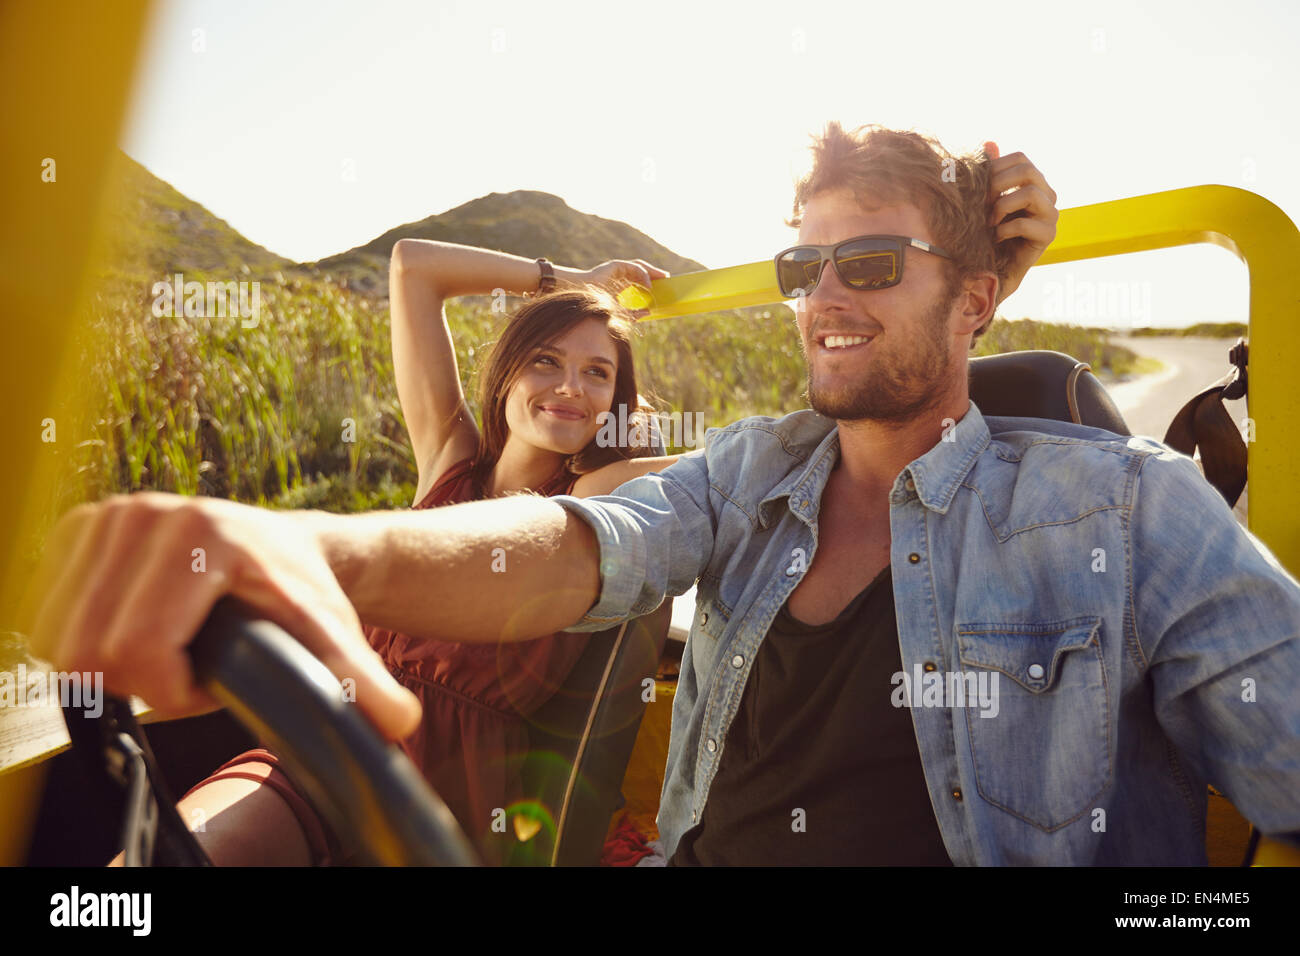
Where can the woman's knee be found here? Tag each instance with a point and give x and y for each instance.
(242, 822)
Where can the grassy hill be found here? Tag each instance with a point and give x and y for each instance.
(153, 231)
(1109, 361)
(1214, 330)
(524, 223)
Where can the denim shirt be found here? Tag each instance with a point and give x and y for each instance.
(1141, 642)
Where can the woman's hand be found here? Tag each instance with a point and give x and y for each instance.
(1031, 204)
(617, 274)
(123, 587)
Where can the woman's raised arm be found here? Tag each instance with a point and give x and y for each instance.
(422, 274)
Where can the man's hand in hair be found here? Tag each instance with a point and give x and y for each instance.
(1023, 207)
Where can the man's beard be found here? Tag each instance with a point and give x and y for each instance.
(895, 388)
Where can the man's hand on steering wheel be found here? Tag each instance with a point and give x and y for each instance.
(125, 584)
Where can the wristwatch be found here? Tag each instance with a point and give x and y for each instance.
(547, 283)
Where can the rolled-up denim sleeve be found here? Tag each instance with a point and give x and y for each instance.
(1217, 618)
(655, 535)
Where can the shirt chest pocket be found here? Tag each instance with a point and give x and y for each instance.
(1044, 754)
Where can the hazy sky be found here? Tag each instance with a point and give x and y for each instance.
(312, 127)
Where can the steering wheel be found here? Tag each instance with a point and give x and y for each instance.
(365, 787)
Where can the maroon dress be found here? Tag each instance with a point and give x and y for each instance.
(475, 697)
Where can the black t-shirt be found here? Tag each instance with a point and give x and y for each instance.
(819, 767)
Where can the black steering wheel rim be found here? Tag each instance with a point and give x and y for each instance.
(366, 788)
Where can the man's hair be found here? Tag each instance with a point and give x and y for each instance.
(891, 166)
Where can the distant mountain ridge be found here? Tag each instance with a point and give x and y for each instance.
(525, 223)
(156, 230)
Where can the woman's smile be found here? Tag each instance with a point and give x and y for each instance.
(562, 411)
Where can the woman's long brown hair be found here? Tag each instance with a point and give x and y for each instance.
(542, 322)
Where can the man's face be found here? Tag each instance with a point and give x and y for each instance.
(907, 368)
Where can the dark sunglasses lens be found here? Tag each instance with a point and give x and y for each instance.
(871, 264)
(797, 271)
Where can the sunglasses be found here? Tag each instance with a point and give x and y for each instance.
(864, 262)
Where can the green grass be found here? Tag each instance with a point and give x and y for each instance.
(206, 406)
(1145, 365)
(1108, 361)
(1217, 330)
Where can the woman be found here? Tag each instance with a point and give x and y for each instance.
(563, 360)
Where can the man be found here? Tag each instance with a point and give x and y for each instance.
(922, 635)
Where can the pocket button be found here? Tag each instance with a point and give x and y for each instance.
(1036, 671)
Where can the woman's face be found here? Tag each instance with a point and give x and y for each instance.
(562, 389)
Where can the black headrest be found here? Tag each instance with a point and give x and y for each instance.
(1043, 384)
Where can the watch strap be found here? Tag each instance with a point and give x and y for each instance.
(547, 282)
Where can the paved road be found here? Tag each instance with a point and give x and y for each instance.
(1148, 405)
